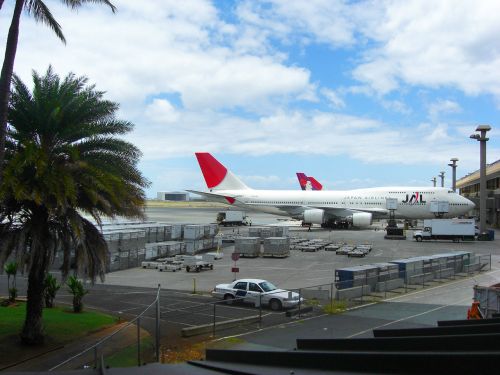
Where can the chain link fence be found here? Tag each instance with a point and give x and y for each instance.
(232, 316)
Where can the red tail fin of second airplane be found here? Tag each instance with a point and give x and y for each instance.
(308, 183)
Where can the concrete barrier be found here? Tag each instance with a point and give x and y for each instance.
(319, 294)
(206, 328)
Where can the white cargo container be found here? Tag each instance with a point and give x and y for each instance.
(276, 247)
(447, 229)
(194, 232)
(247, 246)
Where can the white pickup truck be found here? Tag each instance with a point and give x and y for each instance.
(257, 291)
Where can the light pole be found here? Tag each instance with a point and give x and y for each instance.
(482, 173)
(441, 175)
(433, 179)
(453, 166)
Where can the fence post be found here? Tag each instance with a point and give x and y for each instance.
(158, 317)
(139, 341)
(95, 357)
(260, 310)
(490, 262)
(331, 296)
(406, 281)
(300, 300)
(213, 326)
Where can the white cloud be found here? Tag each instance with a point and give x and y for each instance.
(162, 47)
(326, 21)
(442, 106)
(162, 111)
(434, 44)
(308, 133)
(396, 106)
(334, 98)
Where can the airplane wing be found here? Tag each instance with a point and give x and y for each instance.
(213, 197)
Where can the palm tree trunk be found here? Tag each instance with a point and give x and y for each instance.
(32, 333)
(6, 76)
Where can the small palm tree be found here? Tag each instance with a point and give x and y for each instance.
(76, 288)
(51, 288)
(11, 271)
(64, 160)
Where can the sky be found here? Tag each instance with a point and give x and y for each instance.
(355, 93)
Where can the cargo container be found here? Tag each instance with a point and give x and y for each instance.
(351, 277)
(194, 232)
(247, 246)
(276, 247)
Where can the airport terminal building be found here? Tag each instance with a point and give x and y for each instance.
(172, 196)
(469, 187)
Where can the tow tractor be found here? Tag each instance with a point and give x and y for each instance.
(198, 262)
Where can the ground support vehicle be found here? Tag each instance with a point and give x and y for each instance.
(150, 264)
(256, 292)
(232, 218)
(334, 246)
(170, 265)
(357, 253)
(345, 249)
(447, 229)
(198, 262)
(217, 255)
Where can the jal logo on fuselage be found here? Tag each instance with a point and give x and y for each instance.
(415, 198)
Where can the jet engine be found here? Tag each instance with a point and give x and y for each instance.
(361, 219)
(314, 216)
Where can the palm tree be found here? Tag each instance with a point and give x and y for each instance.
(63, 161)
(41, 13)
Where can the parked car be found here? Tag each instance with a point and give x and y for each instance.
(257, 291)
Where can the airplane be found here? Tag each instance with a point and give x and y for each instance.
(308, 183)
(325, 207)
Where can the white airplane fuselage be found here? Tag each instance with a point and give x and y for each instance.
(413, 202)
(323, 207)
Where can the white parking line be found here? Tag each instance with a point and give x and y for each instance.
(408, 317)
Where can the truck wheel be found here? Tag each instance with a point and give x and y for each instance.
(198, 269)
(275, 304)
(211, 266)
(188, 268)
(418, 238)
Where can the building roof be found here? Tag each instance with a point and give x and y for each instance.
(474, 176)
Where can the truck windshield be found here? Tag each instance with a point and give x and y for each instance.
(267, 286)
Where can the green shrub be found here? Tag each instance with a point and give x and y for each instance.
(51, 287)
(76, 288)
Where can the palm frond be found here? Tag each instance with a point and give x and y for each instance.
(41, 13)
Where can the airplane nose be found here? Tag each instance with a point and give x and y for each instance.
(471, 204)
